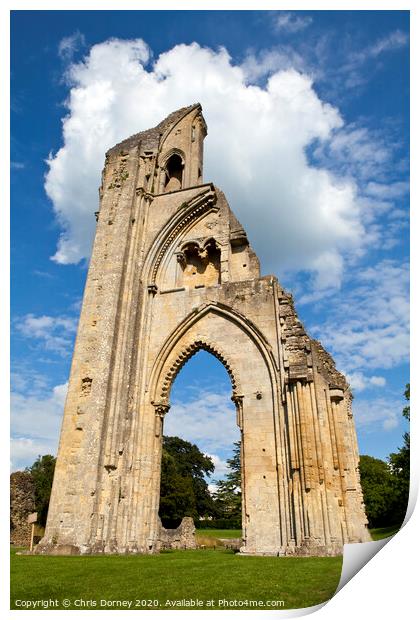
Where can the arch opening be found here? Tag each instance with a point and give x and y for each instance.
(200, 430)
(173, 173)
(168, 376)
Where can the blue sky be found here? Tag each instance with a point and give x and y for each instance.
(321, 186)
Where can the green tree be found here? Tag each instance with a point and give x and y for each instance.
(378, 490)
(42, 472)
(400, 466)
(386, 486)
(406, 410)
(228, 496)
(183, 488)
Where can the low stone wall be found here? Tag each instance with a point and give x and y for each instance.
(232, 543)
(22, 503)
(183, 537)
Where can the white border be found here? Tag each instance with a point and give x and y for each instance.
(386, 586)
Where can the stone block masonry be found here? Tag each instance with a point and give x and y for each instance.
(172, 272)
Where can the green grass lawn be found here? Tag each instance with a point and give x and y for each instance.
(172, 576)
(383, 532)
(151, 581)
(376, 533)
(219, 533)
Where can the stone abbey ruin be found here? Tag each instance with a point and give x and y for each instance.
(172, 272)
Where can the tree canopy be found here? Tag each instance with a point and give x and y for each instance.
(42, 472)
(400, 466)
(228, 495)
(386, 485)
(378, 490)
(183, 488)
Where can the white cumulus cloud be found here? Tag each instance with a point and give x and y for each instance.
(35, 424)
(69, 45)
(55, 333)
(297, 216)
(393, 41)
(286, 21)
(208, 419)
(379, 414)
(220, 467)
(24, 451)
(358, 381)
(368, 324)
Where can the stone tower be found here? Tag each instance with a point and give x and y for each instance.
(172, 272)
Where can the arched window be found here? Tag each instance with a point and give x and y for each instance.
(173, 173)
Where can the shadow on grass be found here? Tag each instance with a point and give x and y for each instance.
(384, 532)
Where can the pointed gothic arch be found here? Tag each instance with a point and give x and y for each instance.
(179, 347)
(174, 172)
(185, 355)
(166, 239)
(140, 323)
(235, 341)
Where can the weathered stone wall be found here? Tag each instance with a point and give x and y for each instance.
(182, 537)
(172, 271)
(22, 504)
